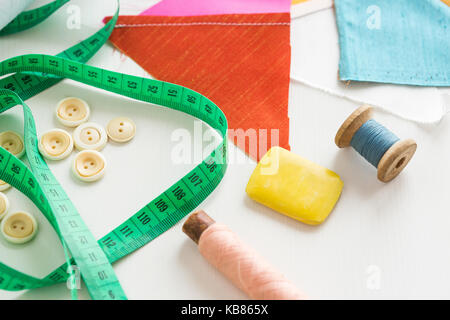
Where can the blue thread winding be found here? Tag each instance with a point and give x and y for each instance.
(372, 141)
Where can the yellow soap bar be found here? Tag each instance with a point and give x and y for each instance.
(294, 186)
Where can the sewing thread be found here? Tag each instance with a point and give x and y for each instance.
(372, 140)
(244, 267)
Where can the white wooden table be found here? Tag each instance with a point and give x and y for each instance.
(381, 241)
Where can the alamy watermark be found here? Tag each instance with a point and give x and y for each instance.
(74, 280)
(373, 280)
(74, 19)
(193, 147)
(373, 22)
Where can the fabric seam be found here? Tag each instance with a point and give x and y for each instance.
(202, 23)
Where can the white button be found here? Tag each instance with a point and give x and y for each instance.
(72, 112)
(90, 136)
(121, 129)
(13, 143)
(4, 186)
(4, 205)
(56, 144)
(89, 165)
(19, 227)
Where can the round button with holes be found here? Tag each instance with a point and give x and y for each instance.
(121, 129)
(55, 144)
(13, 143)
(89, 166)
(19, 227)
(90, 136)
(71, 112)
(4, 186)
(4, 205)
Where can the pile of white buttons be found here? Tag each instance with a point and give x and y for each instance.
(57, 144)
(88, 137)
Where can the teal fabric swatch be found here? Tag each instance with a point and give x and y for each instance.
(394, 41)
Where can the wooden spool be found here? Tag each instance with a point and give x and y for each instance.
(196, 224)
(393, 161)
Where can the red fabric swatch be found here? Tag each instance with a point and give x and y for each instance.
(241, 62)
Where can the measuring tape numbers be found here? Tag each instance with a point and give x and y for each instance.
(42, 188)
(26, 85)
(32, 77)
(31, 18)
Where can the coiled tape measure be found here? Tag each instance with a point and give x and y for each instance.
(29, 19)
(33, 74)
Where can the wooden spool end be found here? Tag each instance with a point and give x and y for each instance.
(352, 124)
(396, 159)
(196, 224)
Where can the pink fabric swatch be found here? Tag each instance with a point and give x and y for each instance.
(212, 7)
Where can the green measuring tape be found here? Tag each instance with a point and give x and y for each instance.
(27, 85)
(42, 188)
(31, 18)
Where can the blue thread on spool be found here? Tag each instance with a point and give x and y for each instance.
(372, 140)
(379, 146)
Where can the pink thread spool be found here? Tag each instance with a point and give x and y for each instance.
(241, 264)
